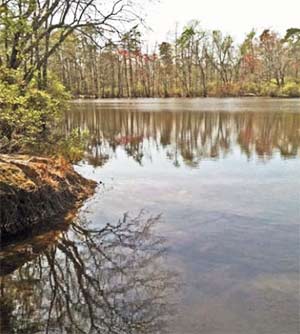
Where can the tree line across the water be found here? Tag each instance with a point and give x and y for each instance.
(195, 63)
(51, 50)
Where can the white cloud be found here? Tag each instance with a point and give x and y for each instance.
(236, 17)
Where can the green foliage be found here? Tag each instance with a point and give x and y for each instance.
(187, 34)
(73, 147)
(291, 89)
(271, 89)
(250, 88)
(27, 115)
(247, 45)
(165, 52)
(292, 34)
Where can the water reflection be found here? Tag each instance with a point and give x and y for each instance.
(110, 280)
(185, 137)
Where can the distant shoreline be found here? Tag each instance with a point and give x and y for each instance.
(90, 97)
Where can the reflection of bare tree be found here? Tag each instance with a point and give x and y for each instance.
(188, 136)
(92, 281)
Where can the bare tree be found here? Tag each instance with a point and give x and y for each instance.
(35, 29)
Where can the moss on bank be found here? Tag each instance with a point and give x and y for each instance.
(34, 190)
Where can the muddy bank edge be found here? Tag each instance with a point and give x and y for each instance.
(34, 190)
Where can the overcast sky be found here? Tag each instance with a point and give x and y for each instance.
(236, 17)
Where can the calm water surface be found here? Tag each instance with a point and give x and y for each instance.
(210, 239)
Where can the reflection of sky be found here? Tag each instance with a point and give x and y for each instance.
(230, 184)
(232, 226)
(232, 229)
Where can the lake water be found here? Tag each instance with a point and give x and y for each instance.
(206, 197)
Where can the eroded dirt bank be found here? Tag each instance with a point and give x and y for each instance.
(34, 190)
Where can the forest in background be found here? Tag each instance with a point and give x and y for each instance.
(197, 63)
(54, 50)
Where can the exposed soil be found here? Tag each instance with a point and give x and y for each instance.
(34, 190)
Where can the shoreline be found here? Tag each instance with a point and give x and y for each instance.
(36, 190)
(93, 98)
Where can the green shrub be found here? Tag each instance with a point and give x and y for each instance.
(27, 116)
(250, 88)
(291, 89)
(269, 89)
(73, 147)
